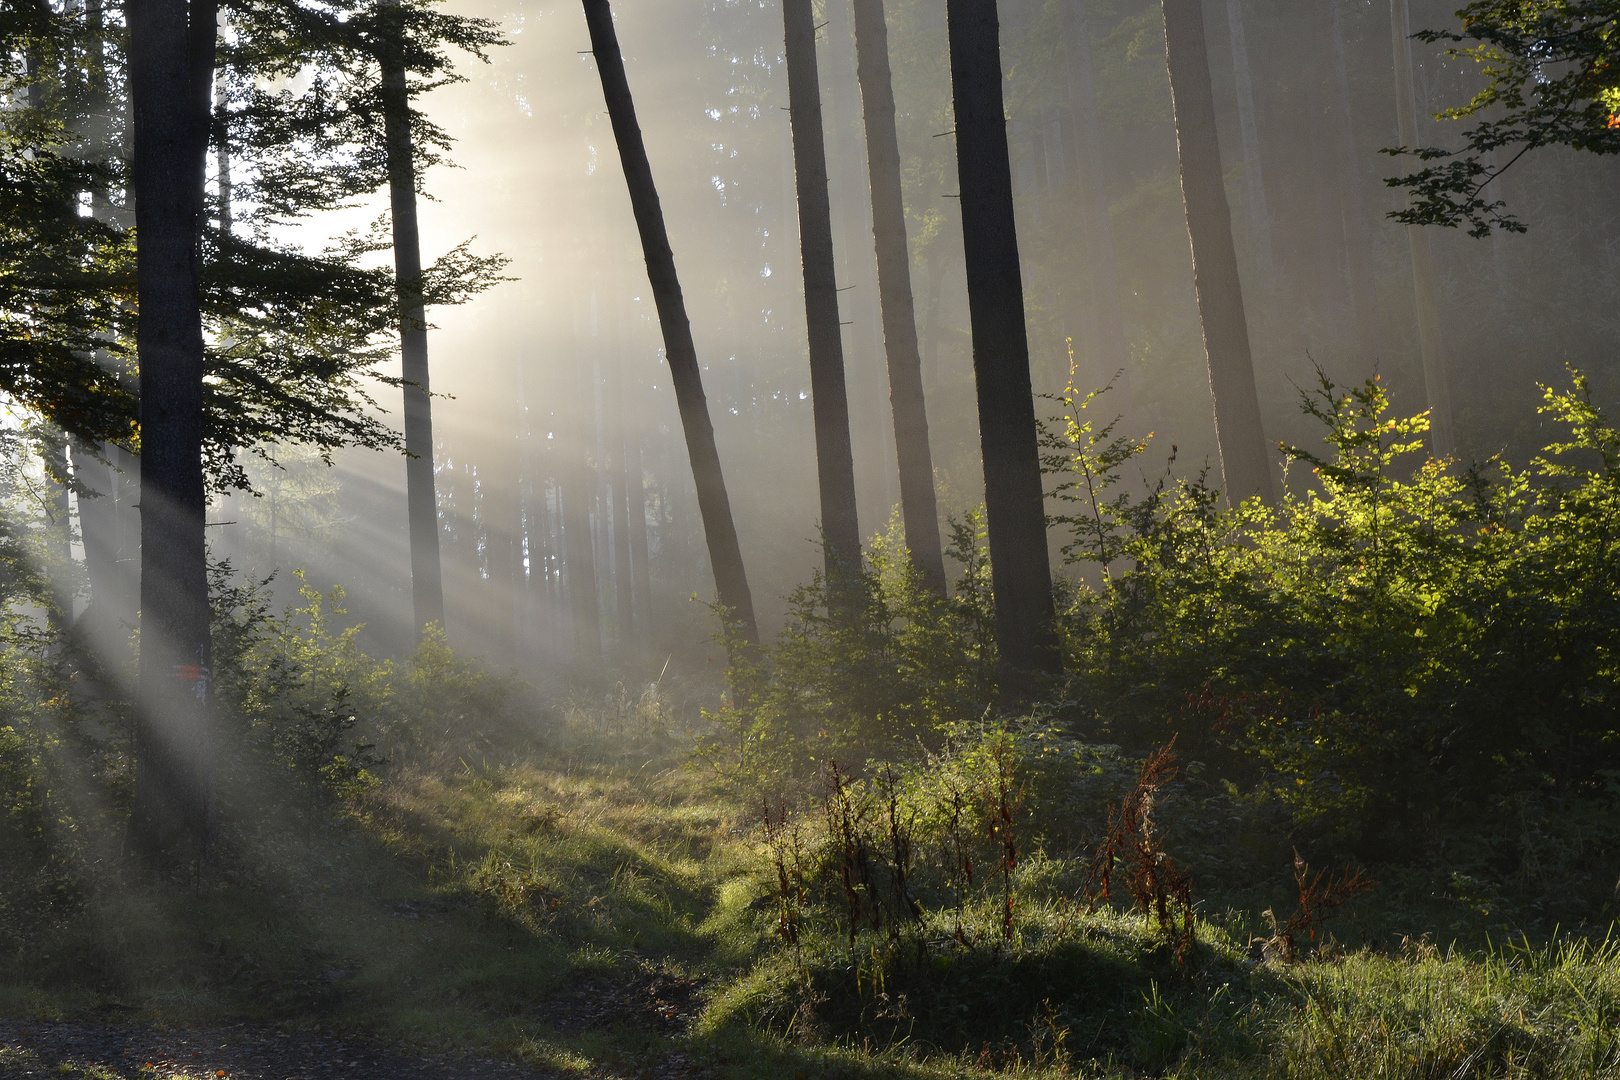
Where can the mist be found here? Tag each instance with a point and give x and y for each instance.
(556, 376)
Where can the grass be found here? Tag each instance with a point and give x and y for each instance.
(540, 905)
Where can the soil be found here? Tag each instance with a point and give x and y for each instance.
(233, 1053)
(648, 999)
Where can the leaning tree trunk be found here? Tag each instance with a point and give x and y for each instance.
(171, 62)
(1021, 575)
(422, 510)
(725, 554)
(835, 464)
(1442, 439)
(1244, 462)
(918, 505)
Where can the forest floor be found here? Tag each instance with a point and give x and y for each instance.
(607, 916)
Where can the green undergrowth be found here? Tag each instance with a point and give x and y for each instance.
(510, 904)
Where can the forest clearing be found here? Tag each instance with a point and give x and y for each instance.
(944, 538)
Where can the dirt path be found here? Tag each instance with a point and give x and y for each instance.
(105, 1051)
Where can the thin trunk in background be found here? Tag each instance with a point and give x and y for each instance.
(502, 513)
(720, 532)
(171, 68)
(618, 485)
(1245, 463)
(59, 529)
(835, 465)
(1254, 183)
(579, 546)
(1356, 226)
(422, 510)
(1112, 353)
(1015, 513)
(918, 504)
(1442, 439)
(635, 488)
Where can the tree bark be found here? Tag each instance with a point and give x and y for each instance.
(918, 504)
(171, 60)
(720, 532)
(1111, 349)
(1015, 513)
(1442, 439)
(640, 564)
(1245, 464)
(618, 484)
(422, 509)
(1254, 183)
(579, 546)
(835, 464)
(1360, 279)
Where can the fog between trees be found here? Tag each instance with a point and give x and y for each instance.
(557, 375)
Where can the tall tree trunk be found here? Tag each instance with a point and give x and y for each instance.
(1245, 463)
(579, 546)
(422, 509)
(725, 554)
(619, 482)
(637, 502)
(1021, 575)
(1254, 183)
(1442, 439)
(59, 530)
(98, 508)
(835, 465)
(171, 63)
(1359, 277)
(918, 504)
(1112, 353)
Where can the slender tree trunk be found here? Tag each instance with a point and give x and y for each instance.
(1357, 225)
(918, 504)
(579, 546)
(422, 509)
(1254, 183)
(835, 466)
(619, 480)
(1021, 576)
(1244, 461)
(1113, 354)
(98, 509)
(171, 61)
(59, 526)
(725, 554)
(930, 352)
(1442, 439)
(640, 564)
(502, 513)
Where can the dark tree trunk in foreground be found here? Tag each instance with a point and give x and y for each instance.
(918, 505)
(725, 555)
(422, 508)
(171, 61)
(1021, 576)
(1111, 352)
(835, 464)
(1245, 463)
(1442, 440)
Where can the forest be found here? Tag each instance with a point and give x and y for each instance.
(842, 539)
